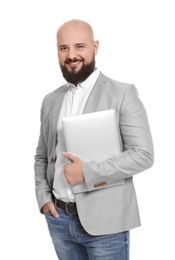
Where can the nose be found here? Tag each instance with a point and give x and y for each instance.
(71, 53)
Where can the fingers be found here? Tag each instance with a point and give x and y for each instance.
(54, 213)
(50, 207)
(69, 156)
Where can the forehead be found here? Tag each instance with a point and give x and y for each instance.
(74, 33)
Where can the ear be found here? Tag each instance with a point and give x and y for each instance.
(96, 45)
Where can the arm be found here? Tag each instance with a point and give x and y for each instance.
(138, 152)
(42, 188)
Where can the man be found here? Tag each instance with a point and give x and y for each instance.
(93, 224)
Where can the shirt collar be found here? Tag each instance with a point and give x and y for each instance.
(85, 84)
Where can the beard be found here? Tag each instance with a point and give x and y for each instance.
(80, 76)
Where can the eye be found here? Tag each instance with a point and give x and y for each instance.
(80, 46)
(63, 48)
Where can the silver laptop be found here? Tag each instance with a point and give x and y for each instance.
(92, 137)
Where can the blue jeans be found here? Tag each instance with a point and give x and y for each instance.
(72, 242)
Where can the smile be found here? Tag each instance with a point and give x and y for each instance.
(74, 64)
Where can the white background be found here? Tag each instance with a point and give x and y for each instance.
(137, 46)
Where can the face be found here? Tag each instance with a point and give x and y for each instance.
(76, 52)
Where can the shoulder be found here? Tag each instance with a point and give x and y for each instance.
(51, 98)
(117, 87)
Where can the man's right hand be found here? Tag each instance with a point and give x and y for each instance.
(50, 207)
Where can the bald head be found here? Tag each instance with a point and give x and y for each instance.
(75, 25)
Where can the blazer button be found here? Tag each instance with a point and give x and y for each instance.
(52, 160)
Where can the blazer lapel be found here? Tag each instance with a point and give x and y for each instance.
(95, 94)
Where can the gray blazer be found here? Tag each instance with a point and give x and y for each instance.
(110, 205)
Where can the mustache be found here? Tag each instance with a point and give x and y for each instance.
(73, 60)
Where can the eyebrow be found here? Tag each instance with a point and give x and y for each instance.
(76, 44)
(80, 43)
(63, 45)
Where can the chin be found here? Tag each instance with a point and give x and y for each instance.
(75, 69)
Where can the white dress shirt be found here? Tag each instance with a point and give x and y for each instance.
(73, 104)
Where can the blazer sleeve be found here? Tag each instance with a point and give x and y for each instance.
(42, 188)
(138, 153)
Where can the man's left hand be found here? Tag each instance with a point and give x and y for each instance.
(73, 171)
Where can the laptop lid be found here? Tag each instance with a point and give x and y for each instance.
(92, 136)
